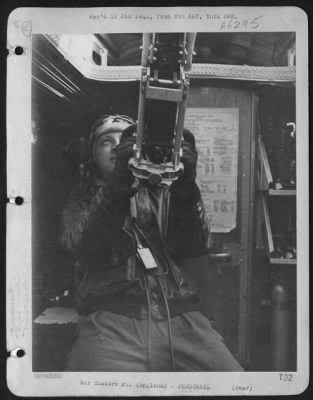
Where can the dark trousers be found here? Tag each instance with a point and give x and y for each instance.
(113, 342)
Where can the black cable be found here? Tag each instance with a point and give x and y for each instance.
(169, 326)
(149, 323)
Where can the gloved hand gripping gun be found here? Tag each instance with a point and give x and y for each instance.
(166, 64)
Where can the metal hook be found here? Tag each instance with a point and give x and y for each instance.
(293, 125)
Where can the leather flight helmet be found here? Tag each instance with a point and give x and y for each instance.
(109, 123)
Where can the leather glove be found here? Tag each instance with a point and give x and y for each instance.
(189, 159)
(124, 151)
(185, 188)
(122, 175)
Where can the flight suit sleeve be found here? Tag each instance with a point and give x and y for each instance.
(188, 231)
(89, 221)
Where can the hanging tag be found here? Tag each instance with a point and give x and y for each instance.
(147, 258)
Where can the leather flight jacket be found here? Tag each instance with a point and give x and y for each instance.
(103, 232)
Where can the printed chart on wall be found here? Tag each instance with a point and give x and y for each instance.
(216, 132)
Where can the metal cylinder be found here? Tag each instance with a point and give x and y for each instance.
(190, 43)
(280, 329)
(146, 48)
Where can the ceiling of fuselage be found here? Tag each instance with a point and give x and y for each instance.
(62, 93)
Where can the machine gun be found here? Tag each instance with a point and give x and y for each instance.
(166, 63)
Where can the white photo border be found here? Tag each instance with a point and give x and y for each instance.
(22, 23)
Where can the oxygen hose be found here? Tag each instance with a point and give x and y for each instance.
(157, 203)
(150, 323)
(160, 206)
(170, 337)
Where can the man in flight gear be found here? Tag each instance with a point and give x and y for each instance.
(138, 312)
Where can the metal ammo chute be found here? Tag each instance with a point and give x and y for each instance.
(166, 63)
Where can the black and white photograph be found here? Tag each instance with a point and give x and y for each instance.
(160, 157)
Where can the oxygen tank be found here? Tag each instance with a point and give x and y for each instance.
(280, 328)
